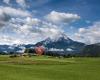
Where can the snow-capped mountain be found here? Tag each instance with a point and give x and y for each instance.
(62, 43)
(59, 43)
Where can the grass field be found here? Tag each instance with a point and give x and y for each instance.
(48, 68)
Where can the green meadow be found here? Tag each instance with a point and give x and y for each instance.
(49, 68)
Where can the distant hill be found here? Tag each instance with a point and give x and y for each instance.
(91, 50)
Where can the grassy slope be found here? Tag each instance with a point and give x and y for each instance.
(43, 68)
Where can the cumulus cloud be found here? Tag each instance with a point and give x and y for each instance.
(21, 3)
(28, 30)
(89, 35)
(59, 17)
(7, 12)
(14, 12)
(6, 1)
(25, 29)
(8, 40)
(3, 18)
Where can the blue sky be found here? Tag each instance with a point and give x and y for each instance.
(30, 21)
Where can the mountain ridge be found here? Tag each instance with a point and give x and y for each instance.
(61, 43)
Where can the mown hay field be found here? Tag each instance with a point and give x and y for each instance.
(49, 68)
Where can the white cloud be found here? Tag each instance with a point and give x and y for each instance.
(6, 1)
(24, 29)
(3, 18)
(28, 30)
(11, 40)
(58, 17)
(14, 12)
(7, 12)
(55, 49)
(89, 35)
(21, 3)
(32, 21)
